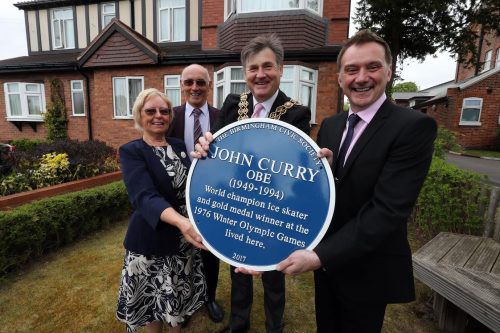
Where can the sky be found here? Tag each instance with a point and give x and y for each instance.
(434, 70)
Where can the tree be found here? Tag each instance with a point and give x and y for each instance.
(417, 28)
(55, 117)
(405, 87)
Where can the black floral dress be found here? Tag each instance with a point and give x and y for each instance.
(162, 288)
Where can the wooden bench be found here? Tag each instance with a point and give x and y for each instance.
(463, 270)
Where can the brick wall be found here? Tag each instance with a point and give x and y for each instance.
(213, 15)
(337, 12)
(483, 136)
(464, 72)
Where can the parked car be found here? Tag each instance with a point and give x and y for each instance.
(6, 157)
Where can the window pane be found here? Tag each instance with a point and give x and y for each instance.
(172, 3)
(15, 105)
(108, 8)
(313, 5)
(164, 24)
(78, 103)
(220, 96)
(305, 95)
(306, 75)
(173, 82)
(237, 74)
(135, 87)
(498, 58)
(238, 88)
(220, 76)
(12, 87)
(57, 34)
(179, 24)
(120, 92)
(256, 5)
(69, 34)
(287, 88)
(34, 105)
(287, 73)
(174, 95)
(33, 88)
(107, 19)
(472, 102)
(470, 115)
(77, 85)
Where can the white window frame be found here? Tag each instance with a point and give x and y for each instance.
(176, 87)
(171, 25)
(471, 123)
(296, 81)
(61, 29)
(23, 93)
(487, 61)
(232, 6)
(106, 14)
(129, 107)
(497, 58)
(73, 91)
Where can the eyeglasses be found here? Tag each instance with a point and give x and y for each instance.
(190, 82)
(163, 112)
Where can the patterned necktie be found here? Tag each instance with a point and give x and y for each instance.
(258, 110)
(197, 132)
(352, 121)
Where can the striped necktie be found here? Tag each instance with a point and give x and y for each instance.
(197, 132)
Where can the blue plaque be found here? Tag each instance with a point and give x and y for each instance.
(261, 193)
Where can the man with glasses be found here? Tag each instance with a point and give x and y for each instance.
(191, 119)
(262, 60)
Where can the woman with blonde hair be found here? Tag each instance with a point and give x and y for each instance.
(161, 281)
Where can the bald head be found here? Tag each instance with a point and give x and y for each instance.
(197, 70)
(195, 84)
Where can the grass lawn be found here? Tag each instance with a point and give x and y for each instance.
(75, 290)
(485, 153)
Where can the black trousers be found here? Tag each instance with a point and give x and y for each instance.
(211, 271)
(334, 315)
(242, 297)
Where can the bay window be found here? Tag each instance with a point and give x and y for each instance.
(125, 91)
(252, 6)
(297, 82)
(24, 101)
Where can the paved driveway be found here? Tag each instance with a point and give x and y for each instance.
(491, 168)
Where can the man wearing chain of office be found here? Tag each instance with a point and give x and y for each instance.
(262, 60)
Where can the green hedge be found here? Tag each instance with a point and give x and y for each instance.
(28, 231)
(450, 200)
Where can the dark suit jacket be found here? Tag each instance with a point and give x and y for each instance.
(365, 252)
(299, 115)
(150, 192)
(176, 129)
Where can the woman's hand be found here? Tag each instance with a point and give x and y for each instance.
(171, 216)
(190, 234)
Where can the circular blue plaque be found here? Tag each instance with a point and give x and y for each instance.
(261, 193)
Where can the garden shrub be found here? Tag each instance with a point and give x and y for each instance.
(55, 118)
(445, 141)
(25, 144)
(28, 231)
(450, 200)
(85, 159)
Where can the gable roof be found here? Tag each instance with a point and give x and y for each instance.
(119, 45)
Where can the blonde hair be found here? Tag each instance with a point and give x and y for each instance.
(141, 99)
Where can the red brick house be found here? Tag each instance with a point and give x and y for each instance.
(469, 105)
(105, 52)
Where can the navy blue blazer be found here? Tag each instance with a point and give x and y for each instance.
(150, 192)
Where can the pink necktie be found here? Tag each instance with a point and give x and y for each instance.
(258, 110)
